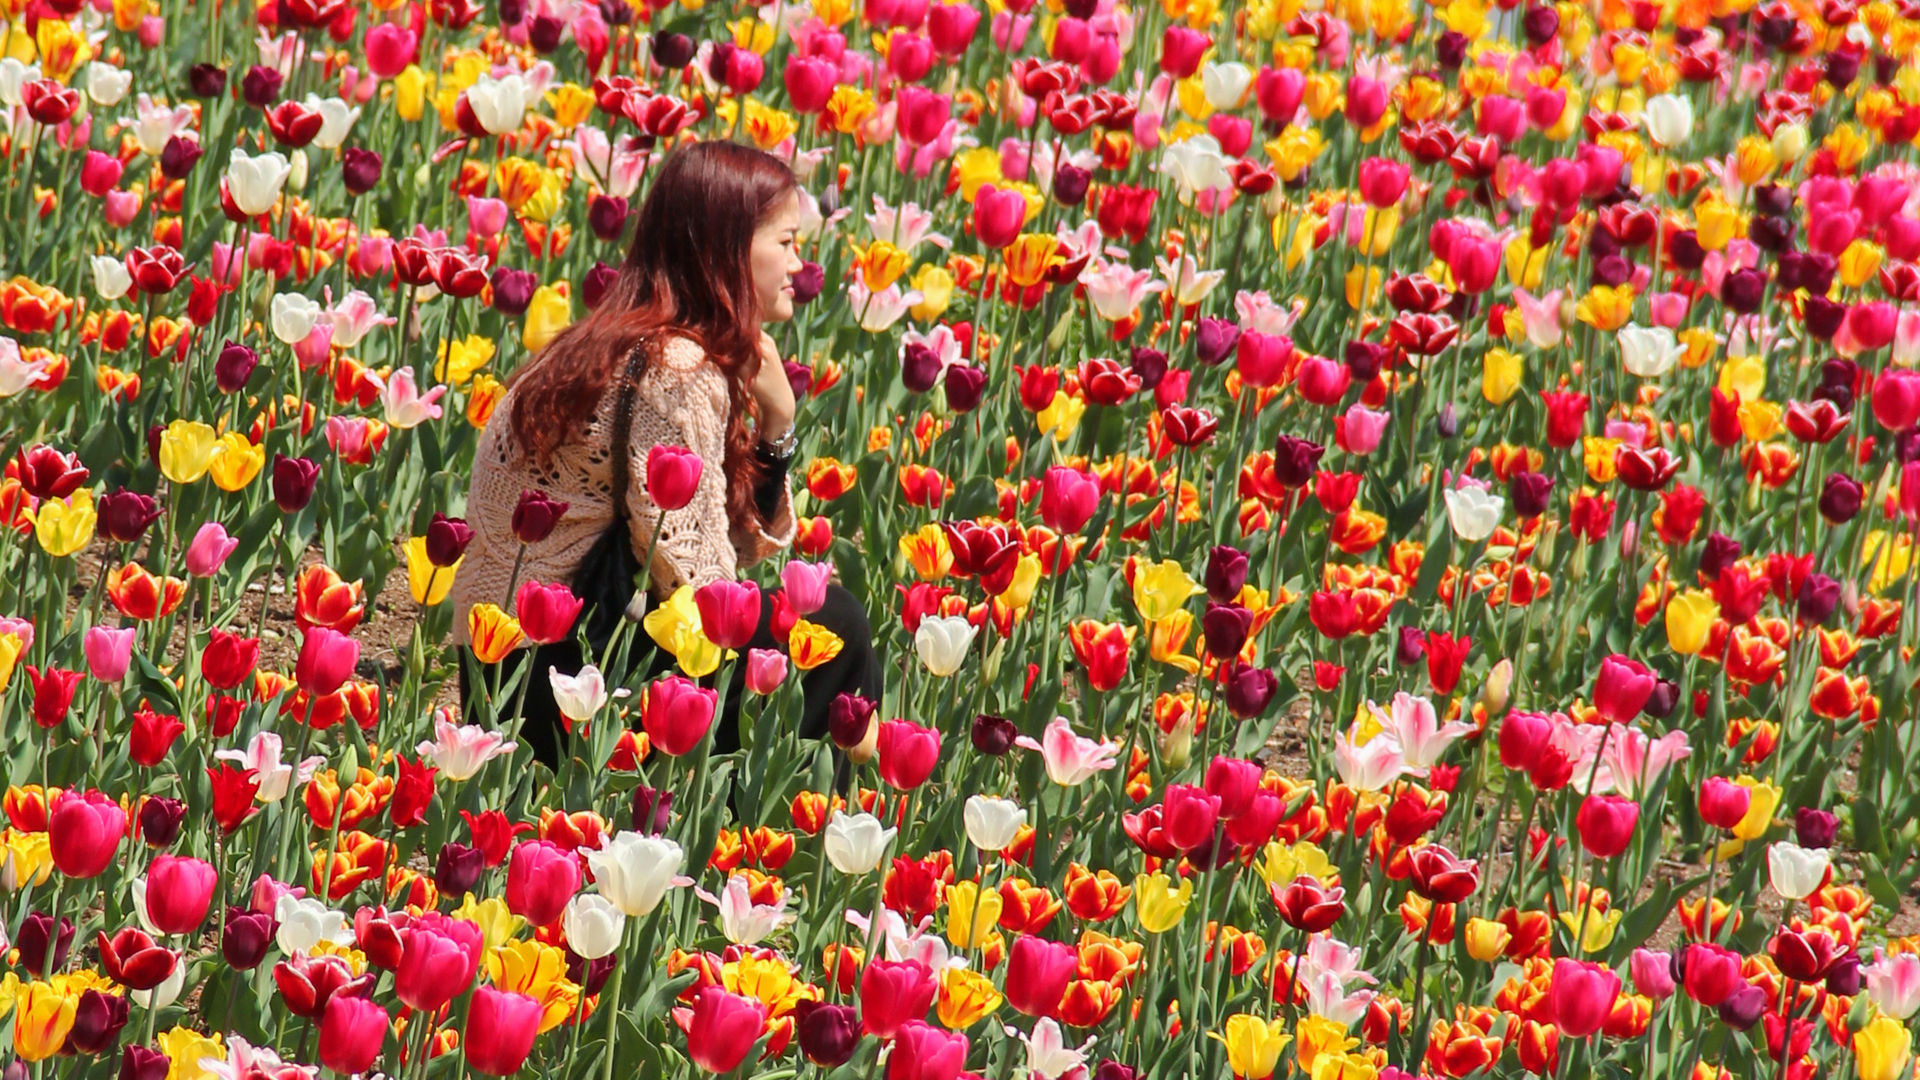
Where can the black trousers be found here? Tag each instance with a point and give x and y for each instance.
(856, 670)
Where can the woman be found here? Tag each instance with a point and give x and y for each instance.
(712, 262)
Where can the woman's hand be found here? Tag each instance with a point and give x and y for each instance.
(772, 393)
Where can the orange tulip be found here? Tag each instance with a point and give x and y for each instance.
(1094, 896)
(1026, 908)
(322, 598)
(140, 595)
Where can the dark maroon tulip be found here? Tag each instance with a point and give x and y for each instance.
(652, 810)
(607, 216)
(246, 937)
(1214, 340)
(1225, 628)
(293, 482)
(993, 735)
(1250, 690)
(260, 86)
(234, 366)
(447, 539)
(848, 717)
(457, 869)
(827, 1033)
(125, 515)
(965, 386)
(359, 169)
(35, 938)
(207, 80)
(1226, 573)
(1295, 460)
(160, 820)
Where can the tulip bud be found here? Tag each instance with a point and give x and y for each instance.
(447, 540)
(828, 1034)
(1844, 978)
(513, 290)
(97, 1021)
(672, 51)
(160, 820)
(1660, 703)
(207, 80)
(993, 735)
(593, 288)
(1410, 647)
(607, 216)
(1070, 183)
(1744, 1007)
(125, 515)
(543, 33)
(848, 718)
(1451, 50)
(260, 86)
(233, 367)
(293, 482)
(245, 938)
(1814, 828)
(652, 810)
(179, 157)
(359, 170)
(37, 939)
(809, 282)
(137, 1062)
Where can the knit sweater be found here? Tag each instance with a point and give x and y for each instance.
(681, 400)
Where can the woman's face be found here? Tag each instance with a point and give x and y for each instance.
(776, 258)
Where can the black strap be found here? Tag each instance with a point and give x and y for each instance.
(623, 431)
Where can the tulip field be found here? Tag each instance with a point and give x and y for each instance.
(1389, 528)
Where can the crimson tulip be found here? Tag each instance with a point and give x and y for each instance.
(541, 878)
(352, 1032)
(501, 1027)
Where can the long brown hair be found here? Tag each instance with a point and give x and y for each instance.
(688, 272)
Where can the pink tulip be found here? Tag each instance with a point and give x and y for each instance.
(100, 173)
(1071, 759)
(373, 257)
(1896, 399)
(486, 217)
(909, 57)
(1606, 824)
(1322, 381)
(1068, 499)
(1234, 133)
(729, 612)
(998, 215)
(1188, 815)
(122, 207)
(951, 27)
(178, 893)
(1872, 324)
(1181, 49)
(326, 662)
(352, 1032)
(1038, 971)
(1545, 106)
(1501, 117)
(722, 1028)
(908, 753)
(1830, 233)
(1102, 61)
(1474, 261)
(1366, 101)
(922, 114)
(1723, 803)
(312, 350)
(1070, 39)
(109, 651)
(1621, 689)
(1262, 359)
(541, 877)
(439, 955)
(1668, 309)
(501, 1028)
(1652, 973)
(84, 832)
(922, 1051)
(1234, 781)
(745, 69)
(673, 475)
(390, 48)
(1383, 181)
(1362, 428)
(766, 670)
(805, 584)
(1279, 91)
(810, 83)
(1581, 996)
(1910, 490)
(1010, 31)
(894, 994)
(152, 32)
(209, 550)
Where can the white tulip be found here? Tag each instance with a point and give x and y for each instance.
(580, 696)
(942, 642)
(1649, 352)
(1795, 872)
(13, 76)
(993, 823)
(1473, 513)
(254, 183)
(635, 871)
(1225, 85)
(857, 843)
(297, 170)
(110, 277)
(293, 316)
(1196, 165)
(499, 104)
(167, 992)
(336, 120)
(1669, 119)
(107, 84)
(593, 924)
(305, 923)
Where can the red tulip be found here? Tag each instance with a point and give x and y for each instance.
(676, 714)
(1621, 689)
(308, 984)
(352, 1032)
(233, 792)
(1038, 971)
(1443, 877)
(1307, 905)
(47, 473)
(53, 691)
(892, 993)
(1068, 499)
(84, 832)
(294, 125)
(541, 878)
(1234, 781)
(501, 1027)
(459, 273)
(131, 959)
(673, 474)
(547, 612)
(1383, 181)
(152, 736)
(326, 662)
(1606, 824)
(908, 753)
(1188, 815)
(1581, 996)
(228, 659)
(179, 892)
(155, 269)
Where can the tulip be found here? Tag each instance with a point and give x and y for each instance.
(352, 1032)
(84, 832)
(828, 1034)
(1254, 1044)
(729, 612)
(856, 844)
(1037, 974)
(1813, 828)
(1068, 499)
(992, 823)
(535, 515)
(1307, 905)
(1606, 824)
(159, 820)
(177, 893)
(547, 613)
(1795, 872)
(1581, 996)
(894, 993)
(1159, 906)
(766, 670)
(1071, 760)
(109, 652)
(1723, 803)
(501, 1027)
(131, 959)
(439, 957)
(1669, 119)
(635, 871)
(245, 938)
(941, 642)
(1621, 689)
(908, 753)
(1188, 815)
(1896, 399)
(42, 948)
(676, 714)
(97, 1021)
(541, 878)
(254, 183)
(593, 925)
(673, 474)
(1882, 1049)
(1652, 973)
(327, 660)
(1711, 973)
(1473, 512)
(997, 215)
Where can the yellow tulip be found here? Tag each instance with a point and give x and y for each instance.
(548, 313)
(1882, 1049)
(1715, 224)
(848, 108)
(482, 396)
(26, 859)
(978, 166)
(1500, 375)
(1606, 308)
(1597, 454)
(1526, 264)
(1167, 641)
(966, 998)
(1597, 932)
(410, 90)
(1253, 1044)
(9, 656)
(42, 1016)
(1061, 416)
(1026, 577)
(1889, 558)
(1486, 939)
(1293, 150)
(1759, 419)
(1344, 1066)
(460, 360)
(675, 627)
(1762, 799)
(1162, 588)
(935, 286)
(809, 645)
(971, 914)
(571, 104)
(1315, 1036)
(187, 1048)
(497, 924)
(1281, 864)
(1690, 617)
(236, 462)
(880, 264)
(1701, 345)
(1362, 286)
(187, 450)
(539, 971)
(429, 584)
(64, 526)
(1754, 158)
(1860, 263)
(1159, 906)
(492, 633)
(926, 550)
(1744, 375)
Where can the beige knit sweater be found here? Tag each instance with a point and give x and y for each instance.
(681, 401)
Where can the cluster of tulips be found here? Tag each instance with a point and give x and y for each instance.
(1388, 528)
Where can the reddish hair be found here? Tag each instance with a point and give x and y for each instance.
(688, 273)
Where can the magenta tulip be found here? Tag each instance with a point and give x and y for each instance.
(1068, 499)
(729, 612)
(541, 877)
(924, 1052)
(327, 659)
(1606, 824)
(1582, 996)
(676, 714)
(439, 956)
(179, 892)
(84, 832)
(908, 753)
(109, 652)
(673, 475)
(352, 1032)
(501, 1027)
(723, 1029)
(1896, 399)
(1622, 688)
(1038, 971)
(997, 216)
(892, 993)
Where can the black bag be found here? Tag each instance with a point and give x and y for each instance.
(605, 580)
